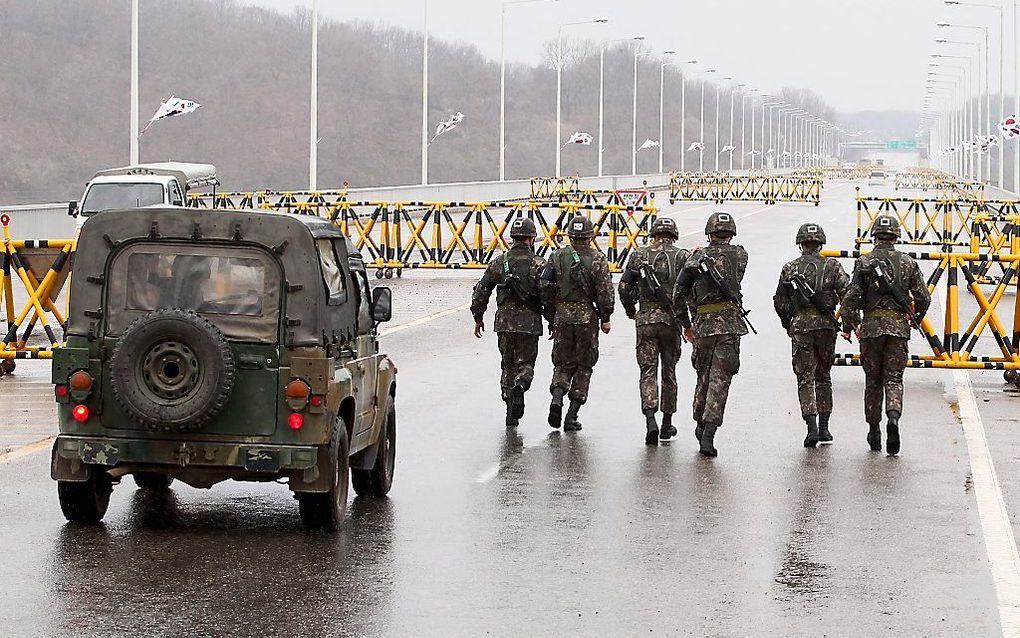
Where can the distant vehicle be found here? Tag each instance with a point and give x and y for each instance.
(229, 345)
(877, 178)
(156, 184)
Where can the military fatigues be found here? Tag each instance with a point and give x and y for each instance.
(518, 323)
(884, 331)
(658, 335)
(812, 332)
(718, 325)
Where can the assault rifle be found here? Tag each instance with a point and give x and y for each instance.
(513, 282)
(803, 287)
(886, 284)
(661, 296)
(708, 269)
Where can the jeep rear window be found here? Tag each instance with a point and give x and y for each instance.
(332, 276)
(206, 284)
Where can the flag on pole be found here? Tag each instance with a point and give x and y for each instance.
(172, 107)
(580, 137)
(769, 153)
(785, 154)
(754, 153)
(696, 146)
(727, 149)
(649, 144)
(448, 125)
(1010, 127)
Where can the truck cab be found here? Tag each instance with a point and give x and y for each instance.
(142, 185)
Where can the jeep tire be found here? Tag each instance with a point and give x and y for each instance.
(326, 510)
(153, 481)
(172, 370)
(86, 501)
(378, 480)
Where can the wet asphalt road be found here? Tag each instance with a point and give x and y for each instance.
(540, 532)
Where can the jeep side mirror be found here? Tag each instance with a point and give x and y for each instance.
(382, 304)
(72, 208)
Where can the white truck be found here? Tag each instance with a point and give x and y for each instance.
(155, 184)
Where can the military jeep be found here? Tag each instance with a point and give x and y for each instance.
(205, 345)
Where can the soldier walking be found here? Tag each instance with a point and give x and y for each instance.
(709, 284)
(645, 292)
(577, 285)
(516, 278)
(810, 287)
(887, 286)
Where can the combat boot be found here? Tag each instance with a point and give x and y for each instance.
(708, 441)
(556, 408)
(811, 440)
(511, 420)
(667, 431)
(516, 402)
(892, 443)
(824, 436)
(875, 436)
(699, 430)
(570, 422)
(651, 428)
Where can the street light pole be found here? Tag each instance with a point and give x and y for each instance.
(733, 90)
(313, 141)
(133, 125)
(633, 120)
(559, 83)
(718, 89)
(662, 86)
(743, 126)
(701, 154)
(425, 100)
(602, 92)
(683, 116)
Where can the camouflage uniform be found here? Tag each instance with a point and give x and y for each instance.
(658, 328)
(885, 329)
(576, 283)
(518, 322)
(812, 329)
(718, 324)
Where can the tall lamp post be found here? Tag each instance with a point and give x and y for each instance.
(425, 100)
(1002, 76)
(559, 81)
(313, 126)
(987, 93)
(683, 116)
(602, 89)
(733, 90)
(701, 155)
(502, 81)
(633, 116)
(662, 87)
(974, 120)
(743, 126)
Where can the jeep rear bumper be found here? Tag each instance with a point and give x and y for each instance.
(73, 455)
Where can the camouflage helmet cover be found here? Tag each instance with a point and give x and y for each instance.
(721, 223)
(886, 226)
(523, 227)
(580, 227)
(810, 234)
(664, 226)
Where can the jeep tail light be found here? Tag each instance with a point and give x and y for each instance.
(296, 394)
(80, 381)
(80, 413)
(317, 401)
(61, 390)
(296, 420)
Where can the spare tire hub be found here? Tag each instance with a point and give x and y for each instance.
(170, 370)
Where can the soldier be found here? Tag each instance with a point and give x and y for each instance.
(888, 287)
(648, 280)
(810, 287)
(516, 277)
(709, 284)
(577, 283)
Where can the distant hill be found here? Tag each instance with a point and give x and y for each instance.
(64, 103)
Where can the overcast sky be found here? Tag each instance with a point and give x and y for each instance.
(856, 54)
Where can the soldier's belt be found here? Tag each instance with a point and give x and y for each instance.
(710, 308)
(810, 310)
(650, 305)
(882, 313)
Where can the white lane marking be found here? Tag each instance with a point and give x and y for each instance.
(25, 450)
(423, 320)
(1000, 543)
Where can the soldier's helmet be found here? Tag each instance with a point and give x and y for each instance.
(664, 226)
(580, 228)
(721, 224)
(886, 227)
(523, 227)
(810, 234)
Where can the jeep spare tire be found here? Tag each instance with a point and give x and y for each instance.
(172, 370)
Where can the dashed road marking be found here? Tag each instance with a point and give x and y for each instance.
(426, 319)
(1000, 543)
(25, 450)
